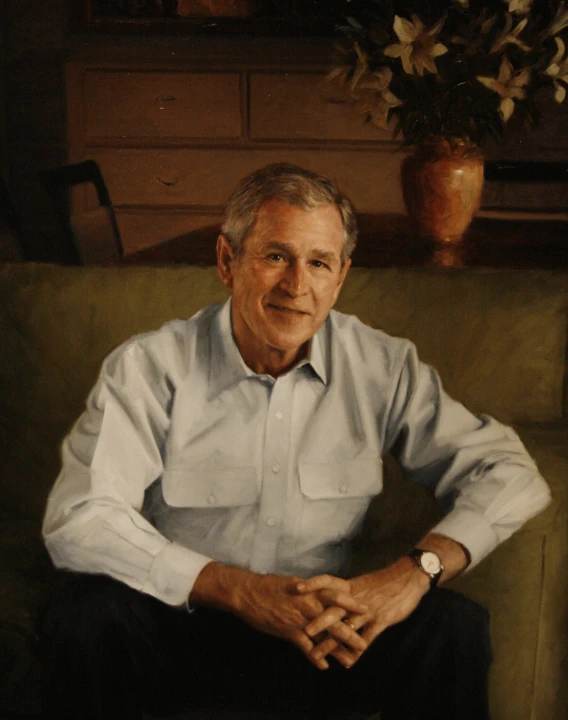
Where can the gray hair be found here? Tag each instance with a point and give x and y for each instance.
(293, 185)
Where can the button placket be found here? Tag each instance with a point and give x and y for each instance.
(274, 489)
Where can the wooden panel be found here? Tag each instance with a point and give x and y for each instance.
(534, 195)
(162, 104)
(306, 106)
(36, 116)
(141, 229)
(205, 178)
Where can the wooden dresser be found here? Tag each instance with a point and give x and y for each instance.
(174, 134)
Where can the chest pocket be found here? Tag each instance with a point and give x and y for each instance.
(358, 478)
(210, 488)
(337, 496)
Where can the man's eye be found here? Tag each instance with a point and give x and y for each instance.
(276, 257)
(318, 264)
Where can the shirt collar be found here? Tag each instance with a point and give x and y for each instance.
(227, 367)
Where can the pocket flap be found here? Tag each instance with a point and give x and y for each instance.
(352, 478)
(210, 488)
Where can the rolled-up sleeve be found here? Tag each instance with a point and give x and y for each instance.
(478, 468)
(93, 521)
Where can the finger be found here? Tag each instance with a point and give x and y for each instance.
(348, 635)
(348, 657)
(342, 599)
(345, 657)
(302, 641)
(324, 621)
(321, 582)
(324, 648)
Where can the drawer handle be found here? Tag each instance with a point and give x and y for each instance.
(168, 183)
(168, 98)
(337, 101)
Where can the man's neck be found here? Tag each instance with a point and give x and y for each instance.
(272, 361)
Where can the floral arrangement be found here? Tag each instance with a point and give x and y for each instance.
(459, 70)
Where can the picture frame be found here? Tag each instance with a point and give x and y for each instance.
(285, 18)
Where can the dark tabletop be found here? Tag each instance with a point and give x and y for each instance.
(387, 241)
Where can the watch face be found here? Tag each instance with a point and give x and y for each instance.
(431, 563)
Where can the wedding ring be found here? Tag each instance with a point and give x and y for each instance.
(350, 624)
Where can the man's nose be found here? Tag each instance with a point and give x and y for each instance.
(295, 280)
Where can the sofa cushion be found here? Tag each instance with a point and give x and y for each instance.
(497, 337)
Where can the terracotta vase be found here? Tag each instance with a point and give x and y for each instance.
(441, 185)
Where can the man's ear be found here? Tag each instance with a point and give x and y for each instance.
(225, 258)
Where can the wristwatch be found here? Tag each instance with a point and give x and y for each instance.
(429, 563)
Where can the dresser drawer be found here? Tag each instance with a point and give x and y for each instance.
(306, 106)
(204, 178)
(166, 104)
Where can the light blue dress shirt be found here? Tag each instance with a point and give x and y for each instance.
(184, 455)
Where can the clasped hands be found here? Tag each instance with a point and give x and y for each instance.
(328, 616)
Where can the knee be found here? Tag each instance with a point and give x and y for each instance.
(460, 615)
(459, 606)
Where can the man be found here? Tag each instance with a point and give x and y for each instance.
(210, 492)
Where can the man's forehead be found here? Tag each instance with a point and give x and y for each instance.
(273, 206)
(284, 226)
(324, 218)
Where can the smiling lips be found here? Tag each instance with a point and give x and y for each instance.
(287, 310)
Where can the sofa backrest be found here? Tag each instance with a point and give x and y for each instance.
(498, 339)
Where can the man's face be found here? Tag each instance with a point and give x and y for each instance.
(286, 278)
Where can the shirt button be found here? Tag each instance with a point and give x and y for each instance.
(343, 487)
(211, 499)
(279, 415)
(271, 522)
(276, 468)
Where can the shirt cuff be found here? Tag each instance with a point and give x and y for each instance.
(470, 530)
(173, 573)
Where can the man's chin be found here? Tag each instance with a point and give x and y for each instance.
(287, 342)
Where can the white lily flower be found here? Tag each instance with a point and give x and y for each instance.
(380, 110)
(378, 80)
(418, 48)
(507, 86)
(560, 20)
(510, 36)
(375, 99)
(558, 71)
(519, 6)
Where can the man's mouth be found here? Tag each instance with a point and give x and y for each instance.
(288, 310)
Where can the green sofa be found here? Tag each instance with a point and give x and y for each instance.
(498, 339)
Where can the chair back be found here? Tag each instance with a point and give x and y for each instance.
(90, 237)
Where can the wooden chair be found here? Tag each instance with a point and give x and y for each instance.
(91, 237)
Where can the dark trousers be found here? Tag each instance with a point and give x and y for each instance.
(111, 652)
